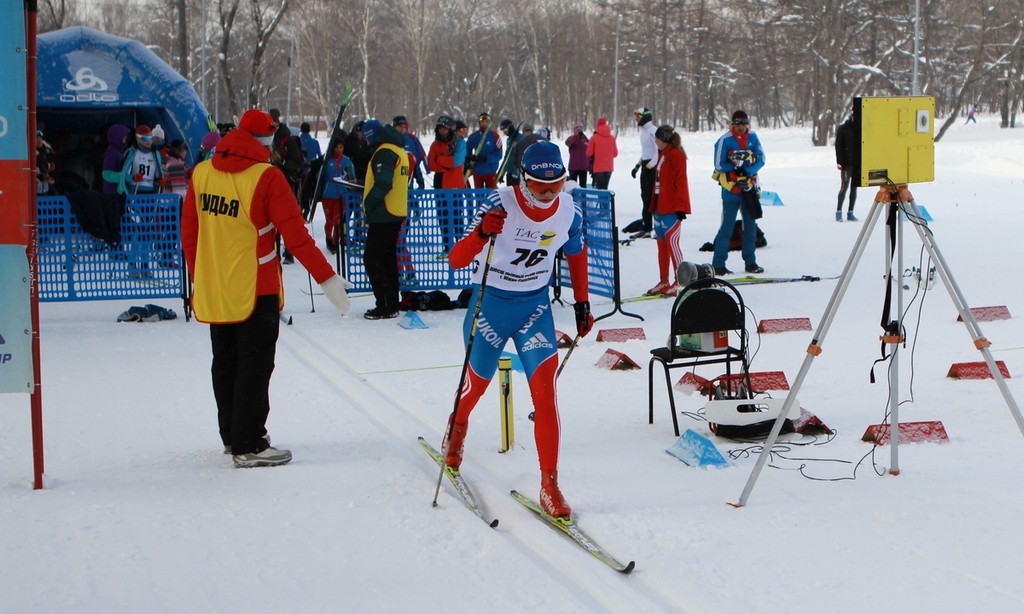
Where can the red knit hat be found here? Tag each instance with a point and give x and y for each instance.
(260, 125)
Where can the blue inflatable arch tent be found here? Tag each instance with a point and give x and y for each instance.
(88, 80)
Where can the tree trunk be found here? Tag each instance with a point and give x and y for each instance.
(227, 20)
(183, 54)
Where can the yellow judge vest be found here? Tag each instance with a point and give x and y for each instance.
(397, 200)
(226, 258)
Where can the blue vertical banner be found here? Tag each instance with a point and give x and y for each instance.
(16, 373)
(15, 321)
(13, 95)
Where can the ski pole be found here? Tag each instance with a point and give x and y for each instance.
(465, 364)
(572, 347)
(330, 149)
(479, 148)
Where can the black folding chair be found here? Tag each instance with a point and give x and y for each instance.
(707, 316)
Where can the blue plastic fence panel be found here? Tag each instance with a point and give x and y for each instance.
(598, 208)
(439, 218)
(145, 263)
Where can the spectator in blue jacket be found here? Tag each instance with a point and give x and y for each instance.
(337, 166)
(309, 144)
(738, 158)
(418, 155)
(484, 153)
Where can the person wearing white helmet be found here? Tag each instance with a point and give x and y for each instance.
(142, 168)
(528, 224)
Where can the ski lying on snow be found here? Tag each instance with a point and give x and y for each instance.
(736, 281)
(573, 530)
(646, 297)
(461, 487)
(644, 234)
(751, 279)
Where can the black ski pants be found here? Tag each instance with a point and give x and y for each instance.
(381, 262)
(849, 179)
(243, 360)
(647, 177)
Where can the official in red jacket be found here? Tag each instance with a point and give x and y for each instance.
(236, 204)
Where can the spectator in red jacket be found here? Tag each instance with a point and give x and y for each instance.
(669, 205)
(441, 157)
(603, 150)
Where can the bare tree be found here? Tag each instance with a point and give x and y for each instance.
(265, 20)
(552, 61)
(56, 14)
(986, 58)
(227, 11)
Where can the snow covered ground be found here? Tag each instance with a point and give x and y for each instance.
(143, 512)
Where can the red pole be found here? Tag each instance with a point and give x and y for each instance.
(31, 10)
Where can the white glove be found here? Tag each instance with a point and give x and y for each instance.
(334, 289)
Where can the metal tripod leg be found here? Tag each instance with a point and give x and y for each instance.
(980, 342)
(815, 347)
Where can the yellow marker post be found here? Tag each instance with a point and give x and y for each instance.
(508, 435)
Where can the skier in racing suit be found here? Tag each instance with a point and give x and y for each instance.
(528, 224)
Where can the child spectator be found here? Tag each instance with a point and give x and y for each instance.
(338, 166)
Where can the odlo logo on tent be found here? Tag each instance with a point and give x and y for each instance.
(87, 87)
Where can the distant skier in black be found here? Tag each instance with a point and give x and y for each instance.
(848, 163)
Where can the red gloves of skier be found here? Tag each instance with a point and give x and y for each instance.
(137, 177)
(584, 319)
(492, 223)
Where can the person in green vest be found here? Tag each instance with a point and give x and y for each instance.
(386, 205)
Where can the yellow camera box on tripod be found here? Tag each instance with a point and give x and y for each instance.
(896, 144)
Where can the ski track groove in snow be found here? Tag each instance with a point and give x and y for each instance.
(547, 550)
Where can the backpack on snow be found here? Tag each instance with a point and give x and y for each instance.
(736, 239)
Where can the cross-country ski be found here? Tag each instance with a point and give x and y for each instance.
(570, 527)
(462, 490)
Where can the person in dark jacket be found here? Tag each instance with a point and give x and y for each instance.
(515, 157)
(44, 165)
(113, 157)
(848, 163)
(358, 150)
(418, 155)
(287, 154)
(512, 135)
(579, 163)
(386, 204)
